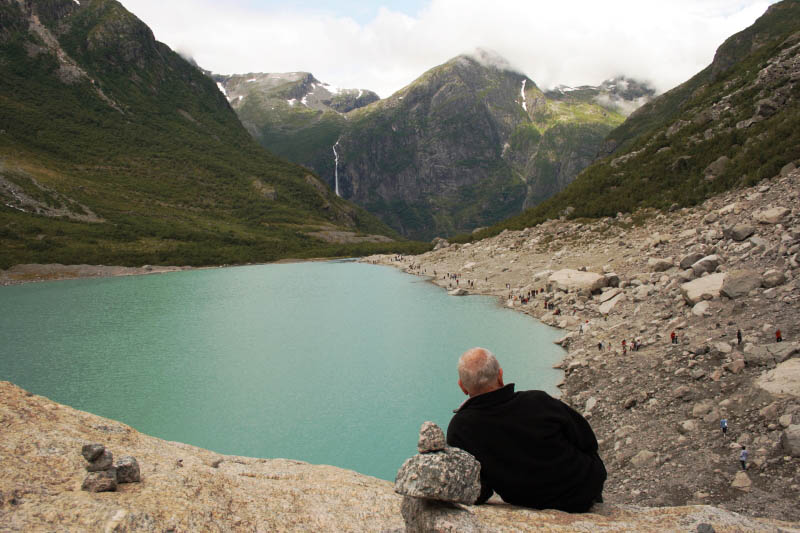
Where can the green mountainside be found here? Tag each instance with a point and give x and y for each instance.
(467, 144)
(731, 125)
(115, 150)
(293, 114)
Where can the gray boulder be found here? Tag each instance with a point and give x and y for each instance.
(458, 292)
(128, 470)
(738, 232)
(102, 481)
(773, 278)
(706, 288)
(659, 265)
(688, 260)
(769, 354)
(739, 283)
(790, 440)
(431, 438)
(91, 452)
(452, 475)
(774, 215)
(708, 263)
(103, 462)
(429, 516)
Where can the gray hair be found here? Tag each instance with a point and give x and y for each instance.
(477, 369)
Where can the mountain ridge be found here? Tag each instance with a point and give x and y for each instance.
(504, 169)
(102, 121)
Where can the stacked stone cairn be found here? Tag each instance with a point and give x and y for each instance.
(434, 482)
(104, 475)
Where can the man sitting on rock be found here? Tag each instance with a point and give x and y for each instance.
(534, 450)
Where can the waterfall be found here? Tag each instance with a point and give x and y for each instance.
(522, 92)
(336, 170)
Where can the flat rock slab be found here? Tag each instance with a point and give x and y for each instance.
(705, 288)
(569, 280)
(783, 380)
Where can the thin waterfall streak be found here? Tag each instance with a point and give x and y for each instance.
(336, 170)
(522, 92)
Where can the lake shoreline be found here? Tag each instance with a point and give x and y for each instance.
(37, 273)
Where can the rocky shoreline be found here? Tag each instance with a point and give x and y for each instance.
(183, 489)
(705, 273)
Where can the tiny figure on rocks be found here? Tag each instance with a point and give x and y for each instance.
(743, 457)
(673, 337)
(624, 347)
(723, 424)
(738, 336)
(778, 336)
(534, 450)
(600, 346)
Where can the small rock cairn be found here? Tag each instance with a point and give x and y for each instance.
(104, 475)
(434, 482)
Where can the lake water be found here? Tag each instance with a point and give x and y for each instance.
(332, 363)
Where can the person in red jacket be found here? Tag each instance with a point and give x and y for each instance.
(778, 336)
(534, 450)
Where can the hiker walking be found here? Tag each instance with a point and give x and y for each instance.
(778, 337)
(739, 336)
(673, 337)
(723, 424)
(743, 457)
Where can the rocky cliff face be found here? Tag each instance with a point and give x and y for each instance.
(184, 488)
(465, 145)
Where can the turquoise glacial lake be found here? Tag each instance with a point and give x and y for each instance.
(332, 363)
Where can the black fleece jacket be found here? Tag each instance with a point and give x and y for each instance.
(534, 450)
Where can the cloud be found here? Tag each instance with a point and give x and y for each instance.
(570, 42)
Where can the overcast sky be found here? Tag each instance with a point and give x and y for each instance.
(384, 45)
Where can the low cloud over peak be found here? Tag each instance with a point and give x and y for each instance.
(572, 42)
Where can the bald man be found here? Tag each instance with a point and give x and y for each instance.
(534, 450)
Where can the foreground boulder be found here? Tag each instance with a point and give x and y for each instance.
(433, 481)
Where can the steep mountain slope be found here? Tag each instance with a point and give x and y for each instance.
(467, 144)
(731, 125)
(293, 114)
(113, 149)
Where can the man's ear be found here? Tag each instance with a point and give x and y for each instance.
(500, 378)
(461, 386)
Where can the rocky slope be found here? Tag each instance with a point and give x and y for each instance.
(732, 263)
(115, 150)
(184, 488)
(729, 126)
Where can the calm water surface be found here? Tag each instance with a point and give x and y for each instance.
(332, 363)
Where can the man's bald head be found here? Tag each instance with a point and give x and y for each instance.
(479, 372)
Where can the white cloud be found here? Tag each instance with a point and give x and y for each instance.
(572, 42)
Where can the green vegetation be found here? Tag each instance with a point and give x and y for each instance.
(147, 142)
(656, 169)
